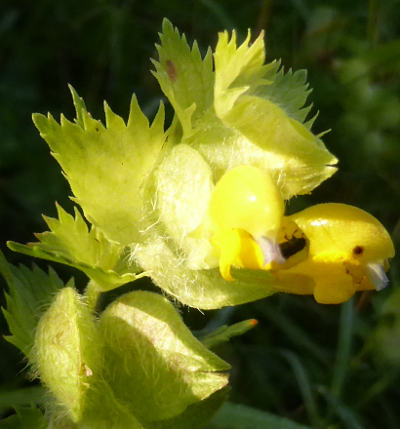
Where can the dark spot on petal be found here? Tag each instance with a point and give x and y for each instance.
(171, 70)
(358, 250)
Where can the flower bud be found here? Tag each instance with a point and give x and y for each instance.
(65, 351)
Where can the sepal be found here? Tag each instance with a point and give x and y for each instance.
(154, 364)
(201, 288)
(67, 352)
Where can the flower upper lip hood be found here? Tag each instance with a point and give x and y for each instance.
(348, 251)
(336, 227)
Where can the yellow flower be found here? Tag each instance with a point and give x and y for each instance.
(348, 252)
(328, 250)
(246, 211)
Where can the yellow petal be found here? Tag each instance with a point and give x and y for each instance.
(333, 228)
(238, 248)
(246, 211)
(329, 281)
(247, 198)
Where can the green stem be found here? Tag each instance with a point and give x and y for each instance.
(92, 294)
(350, 419)
(344, 348)
(304, 383)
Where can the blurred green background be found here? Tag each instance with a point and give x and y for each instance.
(322, 366)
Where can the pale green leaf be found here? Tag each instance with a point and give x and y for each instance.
(107, 167)
(154, 363)
(184, 76)
(29, 293)
(71, 242)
